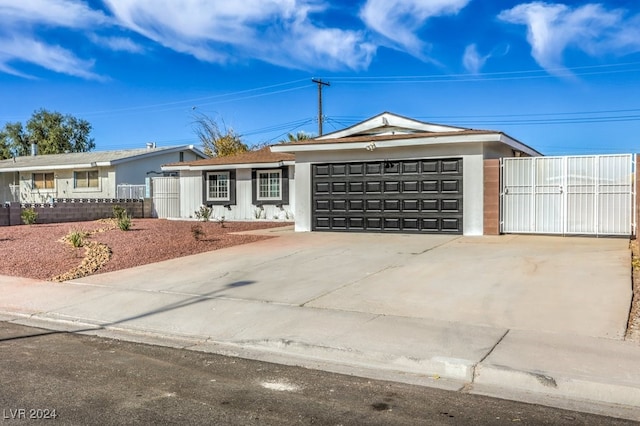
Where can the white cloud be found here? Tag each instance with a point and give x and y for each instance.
(18, 42)
(118, 44)
(48, 56)
(64, 13)
(552, 28)
(472, 60)
(398, 20)
(275, 31)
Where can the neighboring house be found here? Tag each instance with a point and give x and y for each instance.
(45, 178)
(394, 174)
(251, 185)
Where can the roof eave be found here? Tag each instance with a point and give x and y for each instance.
(42, 167)
(229, 166)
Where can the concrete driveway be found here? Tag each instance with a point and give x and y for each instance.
(540, 283)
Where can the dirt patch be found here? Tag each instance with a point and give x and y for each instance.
(633, 326)
(39, 251)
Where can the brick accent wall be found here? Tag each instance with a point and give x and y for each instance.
(491, 197)
(72, 210)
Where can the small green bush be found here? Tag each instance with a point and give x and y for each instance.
(203, 213)
(124, 223)
(76, 238)
(29, 216)
(119, 212)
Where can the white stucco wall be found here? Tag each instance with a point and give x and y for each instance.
(473, 166)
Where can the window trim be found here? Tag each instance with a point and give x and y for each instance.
(258, 181)
(34, 186)
(228, 180)
(88, 180)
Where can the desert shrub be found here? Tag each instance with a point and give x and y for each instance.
(119, 212)
(124, 223)
(76, 238)
(29, 216)
(197, 232)
(203, 213)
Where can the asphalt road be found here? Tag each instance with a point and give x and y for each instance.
(64, 378)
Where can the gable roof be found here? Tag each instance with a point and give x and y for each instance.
(77, 160)
(389, 130)
(388, 123)
(261, 158)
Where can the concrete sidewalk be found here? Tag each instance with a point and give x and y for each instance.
(251, 306)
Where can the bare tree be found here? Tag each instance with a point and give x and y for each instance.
(217, 140)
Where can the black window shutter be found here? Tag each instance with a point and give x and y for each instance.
(285, 185)
(232, 187)
(254, 188)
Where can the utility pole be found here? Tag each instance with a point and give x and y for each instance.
(320, 83)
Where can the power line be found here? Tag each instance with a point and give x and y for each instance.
(179, 104)
(552, 72)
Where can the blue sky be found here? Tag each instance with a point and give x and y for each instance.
(561, 77)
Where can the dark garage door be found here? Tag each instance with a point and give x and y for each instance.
(388, 196)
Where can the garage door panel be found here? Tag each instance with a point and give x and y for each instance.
(391, 186)
(339, 222)
(321, 170)
(410, 205)
(450, 205)
(410, 167)
(388, 196)
(410, 186)
(356, 205)
(339, 187)
(373, 205)
(391, 205)
(356, 187)
(431, 186)
(322, 188)
(323, 205)
(339, 205)
(356, 169)
(430, 167)
(450, 186)
(373, 169)
(373, 223)
(373, 187)
(451, 166)
(323, 223)
(338, 169)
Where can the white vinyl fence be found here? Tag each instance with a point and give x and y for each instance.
(591, 194)
(127, 191)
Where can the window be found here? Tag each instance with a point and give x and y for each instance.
(218, 186)
(85, 179)
(43, 180)
(269, 185)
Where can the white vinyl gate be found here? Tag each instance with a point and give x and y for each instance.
(165, 192)
(591, 194)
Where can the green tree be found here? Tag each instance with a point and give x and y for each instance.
(53, 132)
(217, 140)
(300, 136)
